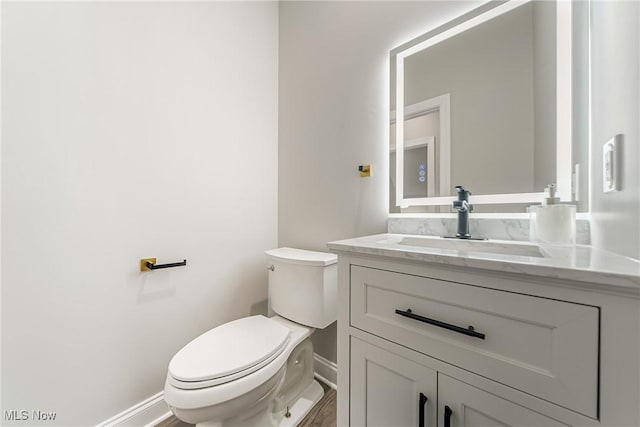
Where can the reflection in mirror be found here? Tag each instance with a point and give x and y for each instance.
(481, 109)
(426, 148)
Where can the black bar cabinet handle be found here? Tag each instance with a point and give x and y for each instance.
(469, 331)
(447, 416)
(153, 266)
(423, 402)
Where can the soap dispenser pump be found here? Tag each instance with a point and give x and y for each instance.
(552, 222)
(551, 199)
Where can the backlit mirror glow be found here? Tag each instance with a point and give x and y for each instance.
(486, 104)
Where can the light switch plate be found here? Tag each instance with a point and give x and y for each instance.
(610, 166)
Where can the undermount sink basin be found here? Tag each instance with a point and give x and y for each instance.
(486, 246)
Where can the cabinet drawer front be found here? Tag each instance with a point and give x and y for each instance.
(543, 347)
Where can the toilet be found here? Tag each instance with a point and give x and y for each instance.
(257, 370)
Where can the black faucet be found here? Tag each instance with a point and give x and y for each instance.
(463, 207)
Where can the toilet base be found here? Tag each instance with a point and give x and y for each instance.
(298, 410)
(303, 405)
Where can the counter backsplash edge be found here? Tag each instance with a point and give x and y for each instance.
(490, 228)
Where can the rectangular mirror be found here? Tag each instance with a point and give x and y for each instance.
(486, 103)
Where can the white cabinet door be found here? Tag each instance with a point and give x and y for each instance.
(388, 390)
(460, 404)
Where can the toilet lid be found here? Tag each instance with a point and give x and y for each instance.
(229, 349)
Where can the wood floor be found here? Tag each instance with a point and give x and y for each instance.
(322, 415)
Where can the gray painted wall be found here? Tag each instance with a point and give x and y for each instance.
(615, 50)
(333, 116)
(129, 130)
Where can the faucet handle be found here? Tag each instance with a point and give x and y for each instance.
(461, 189)
(462, 206)
(463, 194)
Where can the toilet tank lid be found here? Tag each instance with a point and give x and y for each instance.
(303, 257)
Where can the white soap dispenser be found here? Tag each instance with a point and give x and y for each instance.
(552, 222)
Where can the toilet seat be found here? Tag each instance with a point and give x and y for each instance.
(187, 399)
(228, 352)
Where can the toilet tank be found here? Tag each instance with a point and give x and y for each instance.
(303, 285)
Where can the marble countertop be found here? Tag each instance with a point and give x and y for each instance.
(580, 263)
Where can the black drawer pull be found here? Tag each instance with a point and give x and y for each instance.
(469, 331)
(447, 416)
(423, 402)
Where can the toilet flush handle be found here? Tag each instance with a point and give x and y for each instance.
(271, 267)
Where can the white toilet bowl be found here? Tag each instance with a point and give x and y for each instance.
(232, 374)
(258, 371)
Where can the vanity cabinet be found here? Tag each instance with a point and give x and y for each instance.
(390, 390)
(423, 344)
(543, 347)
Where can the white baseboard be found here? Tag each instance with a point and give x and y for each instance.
(326, 370)
(154, 410)
(149, 412)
